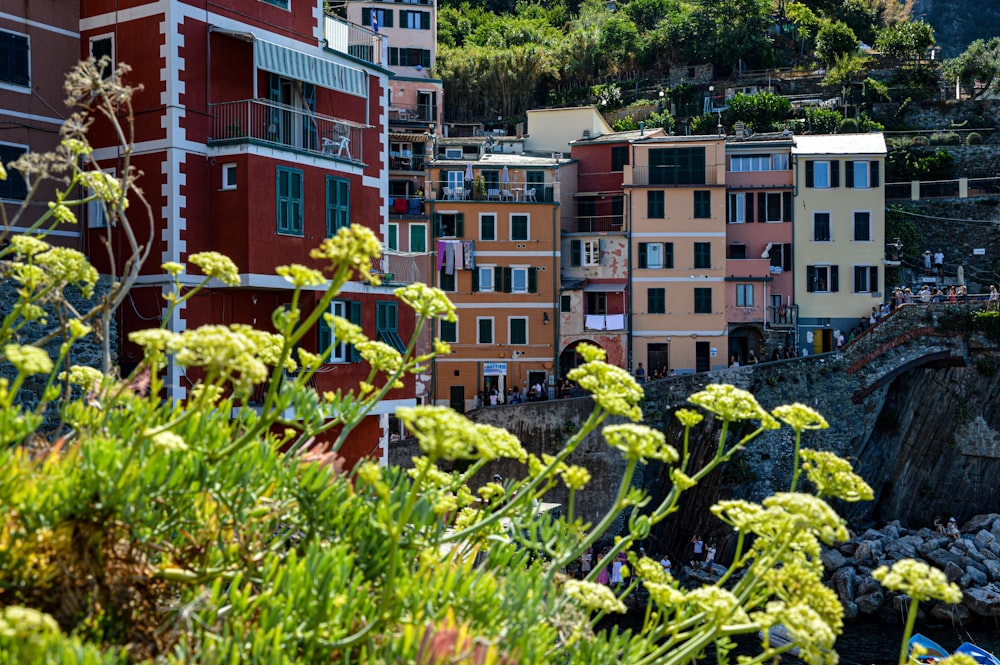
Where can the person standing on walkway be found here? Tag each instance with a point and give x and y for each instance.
(640, 374)
(699, 548)
(939, 264)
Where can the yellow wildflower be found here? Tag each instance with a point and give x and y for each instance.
(301, 276)
(614, 389)
(639, 442)
(800, 417)
(217, 265)
(834, 477)
(732, 404)
(427, 302)
(28, 359)
(918, 581)
(594, 596)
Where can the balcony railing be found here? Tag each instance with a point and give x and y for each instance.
(401, 268)
(598, 223)
(419, 114)
(401, 161)
(663, 175)
(354, 40)
(271, 123)
(514, 191)
(782, 316)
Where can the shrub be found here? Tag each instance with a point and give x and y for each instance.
(848, 126)
(945, 138)
(920, 140)
(974, 138)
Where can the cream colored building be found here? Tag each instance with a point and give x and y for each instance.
(552, 130)
(675, 191)
(839, 234)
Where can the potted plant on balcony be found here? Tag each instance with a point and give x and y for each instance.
(479, 188)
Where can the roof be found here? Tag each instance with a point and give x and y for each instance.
(840, 144)
(694, 138)
(572, 284)
(500, 160)
(605, 285)
(621, 137)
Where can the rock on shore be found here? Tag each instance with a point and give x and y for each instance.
(972, 562)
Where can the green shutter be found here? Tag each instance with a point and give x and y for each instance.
(809, 173)
(835, 173)
(668, 255)
(475, 280)
(533, 280)
(761, 206)
(354, 316)
(873, 166)
(810, 279)
(324, 335)
(849, 174)
(786, 206)
(507, 280)
(366, 17)
(425, 57)
(438, 226)
(643, 255)
(834, 278)
(575, 253)
(498, 273)
(460, 225)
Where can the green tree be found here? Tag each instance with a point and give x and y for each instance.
(907, 41)
(718, 38)
(822, 121)
(762, 112)
(979, 62)
(835, 39)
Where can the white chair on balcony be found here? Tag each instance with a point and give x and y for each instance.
(529, 194)
(337, 144)
(506, 195)
(492, 194)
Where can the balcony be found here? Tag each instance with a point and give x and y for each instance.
(354, 40)
(412, 114)
(658, 177)
(405, 160)
(782, 316)
(397, 268)
(504, 192)
(598, 224)
(270, 123)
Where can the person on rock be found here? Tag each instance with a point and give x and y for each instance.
(953, 529)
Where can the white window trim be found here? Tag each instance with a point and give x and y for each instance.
(812, 234)
(457, 335)
(745, 288)
(817, 266)
(515, 269)
(494, 216)
(587, 248)
(25, 89)
(286, 9)
(737, 208)
(228, 166)
(409, 236)
(339, 353)
(871, 235)
(663, 253)
(510, 339)
(389, 235)
(493, 329)
(489, 269)
(95, 38)
(829, 170)
(867, 267)
(510, 226)
(868, 173)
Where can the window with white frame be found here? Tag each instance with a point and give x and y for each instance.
(517, 330)
(591, 252)
(487, 226)
(15, 63)
(822, 279)
(744, 295)
(822, 174)
(448, 331)
(229, 176)
(821, 227)
(104, 46)
(862, 226)
(738, 208)
(486, 274)
(861, 174)
(746, 163)
(518, 280)
(865, 279)
(772, 207)
(779, 161)
(520, 227)
(418, 238)
(484, 330)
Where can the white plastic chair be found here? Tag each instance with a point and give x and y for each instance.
(529, 194)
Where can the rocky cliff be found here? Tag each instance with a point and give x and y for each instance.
(958, 22)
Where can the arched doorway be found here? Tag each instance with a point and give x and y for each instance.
(569, 358)
(742, 340)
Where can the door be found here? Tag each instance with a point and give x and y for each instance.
(538, 377)
(457, 398)
(822, 341)
(427, 106)
(702, 356)
(657, 359)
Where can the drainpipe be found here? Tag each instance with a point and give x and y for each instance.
(556, 294)
(795, 301)
(627, 204)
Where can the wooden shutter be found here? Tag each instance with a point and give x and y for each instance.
(810, 279)
(834, 278)
(507, 280)
(786, 206)
(574, 253)
(873, 171)
(834, 173)
(761, 206)
(425, 20)
(354, 316)
(873, 279)
(849, 173)
(748, 207)
(498, 279)
(324, 335)
(460, 225)
(475, 280)
(533, 280)
(809, 173)
(786, 254)
(643, 261)
(438, 226)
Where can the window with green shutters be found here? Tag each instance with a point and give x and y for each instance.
(448, 331)
(393, 239)
(449, 224)
(703, 301)
(519, 227)
(518, 331)
(487, 226)
(677, 166)
(412, 20)
(289, 191)
(656, 255)
(655, 208)
(14, 59)
(384, 17)
(485, 333)
(619, 158)
(702, 204)
(387, 324)
(446, 281)
(656, 301)
(338, 204)
(342, 352)
(703, 255)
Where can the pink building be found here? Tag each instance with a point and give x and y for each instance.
(760, 309)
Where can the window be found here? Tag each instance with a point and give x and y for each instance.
(418, 238)
(745, 163)
(737, 250)
(484, 278)
(342, 352)
(289, 190)
(392, 241)
(865, 279)
(822, 174)
(387, 324)
(862, 226)
(448, 332)
(703, 301)
(409, 57)
(14, 187)
(277, 3)
(771, 204)
(744, 295)
(517, 330)
(104, 46)
(585, 252)
(656, 301)
(656, 255)
(229, 176)
(565, 304)
(738, 208)
(781, 256)
(519, 227)
(383, 18)
(414, 20)
(597, 303)
(484, 325)
(619, 157)
(702, 204)
(821, 227)
(338, 204)
(822, 279)
(518, 280)
(779, 161)
(655, 205)
(677, 166)
(861, 174)
(449, 224)
(445, 281)
(14, 63)
(487, 226)
(703, 255)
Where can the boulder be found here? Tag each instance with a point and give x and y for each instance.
(868, 553)
(980, 522)
(843, 583)
(870, 603)
(995, 528)
(973, 578)
(933, 543)
(983, 601)
(850, 610)
(872, 534)
(956, 615)
(953, 571)
(984, 539)
(992, 567)
(891, 531)
(832, 559)
(848, 548)
(942, 558)
(902, 549)
(867, 585)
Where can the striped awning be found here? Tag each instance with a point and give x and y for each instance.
(412, 138)
(309, 68)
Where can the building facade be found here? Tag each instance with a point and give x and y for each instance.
(839, 234)
(675, 196)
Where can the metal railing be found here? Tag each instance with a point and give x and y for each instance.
(400, 161)
(514, 191)
(402, 268)
(942, 189)
(663, 175)
(412, 113)
(263, 121)
(354, 40)
(782, 316)
(598, 223)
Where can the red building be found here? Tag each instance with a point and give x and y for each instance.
(260, 130)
